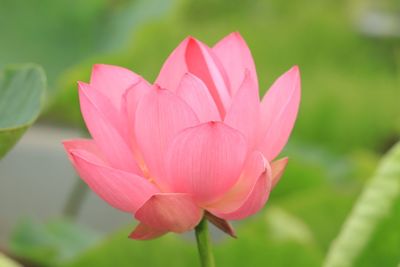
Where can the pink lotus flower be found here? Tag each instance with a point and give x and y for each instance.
(199, 141)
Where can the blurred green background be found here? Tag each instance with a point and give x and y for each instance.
(349, 57)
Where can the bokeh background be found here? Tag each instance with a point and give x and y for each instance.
(349, 57)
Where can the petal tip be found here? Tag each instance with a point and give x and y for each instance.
(82, 85)
(285, 160)
(278, 168)
(192, 44)
(99, 66)
(237, 34)
(221, 224)
(295, 70)
(66, 143)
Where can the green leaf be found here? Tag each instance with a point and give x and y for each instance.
(376, 203)
(21, 96)
(52, 243)
(6, 262)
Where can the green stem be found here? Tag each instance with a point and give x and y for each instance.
(75, 199)
(204, 244)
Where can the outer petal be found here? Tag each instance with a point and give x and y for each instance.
(112, 81)
(255, 167)
(195, 57)
(279, 111)
(104, 106)
(88, 145)
(144, 232)
(195, 93)
(235, 56)
(244, 114)
(255, 200)
(205, 161)
(160, 115)
(104, 131)
(170, 212)
(278, 166)
(221, 224)
(122, 190)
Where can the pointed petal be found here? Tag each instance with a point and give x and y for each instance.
(205, 160)
(192, 56)
(235, 56)
(244, 113)
(221, 224)
(160, 115)
(174, 68)
(202, 62)
(196, 95)
(170, 211)
(237, 195)
(104, 106)
(122, 190)
(84, 144)
(144, 232)
(278, 113)
(278, 166)
(255, 200)
(102, 127)
(112, 81)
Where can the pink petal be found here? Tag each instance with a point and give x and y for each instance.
(144, 232)
(202, 62)
(160, 115)
(195, 57)
(122, 190)
(171, 212)
(130, 102)
(205, 160)
(174, 68)
(255, 200)
(278, 113)
(244, 113)
(235, 56)
(196, 95)
(112, 81)
(84, 144)
(237, 195)
(278, 166)
(104, 105)
(102, 125)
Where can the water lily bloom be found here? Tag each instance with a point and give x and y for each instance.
(198, 142)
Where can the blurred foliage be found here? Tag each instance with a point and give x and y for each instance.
(6, 262)
(21, 95)
(262, 239)
(301, 224)
(378, 205)
(340, 68)
(52, 243)
(53, 33)
(304, 214)
(349, 114)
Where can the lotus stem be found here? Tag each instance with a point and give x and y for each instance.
(204, 244)
(75, 199)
